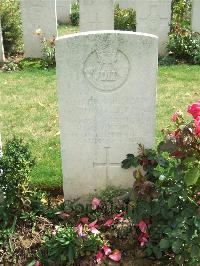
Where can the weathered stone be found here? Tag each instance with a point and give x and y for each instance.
(2, 57)
(196, 15)
(37, 14)
(96, 15)
(107, 92)
(63, 11)
(153, 16)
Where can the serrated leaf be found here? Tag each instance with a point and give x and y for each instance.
(164, 244)
(126, 164)
(176, 246)
(192, 176)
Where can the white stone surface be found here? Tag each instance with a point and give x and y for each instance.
(126, 3)
(96, 15)
(63, 11)
(37, 14)
(153, 16)
(107, 93)
(196, 15)
(2, 58)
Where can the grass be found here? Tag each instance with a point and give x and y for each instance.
(67, 29)
(29, 110)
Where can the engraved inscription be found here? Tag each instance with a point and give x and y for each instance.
(153, 19)
(107, 67)
(107, 164)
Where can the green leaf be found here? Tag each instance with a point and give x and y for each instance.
(176, 246)
(126, 164)
(192, 176)
(164, 244)
(157, 252)
(71, 253)
(195, 251)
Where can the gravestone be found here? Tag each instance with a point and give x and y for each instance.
(2, 58)
(196, 15)
(126, 3)
(153, 16)
(37, 14)
(63, 11)
(96, 15)
(107, 93)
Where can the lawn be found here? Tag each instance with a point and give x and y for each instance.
(29, 110)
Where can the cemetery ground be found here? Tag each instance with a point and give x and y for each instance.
(29, 106)
(41, 230)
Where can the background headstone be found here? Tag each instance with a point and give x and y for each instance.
(107, 93)
(126, 3)
(196, 15)
(37, 14)
(153, 16)
(96, 15)
(2, 58)
(63, 11)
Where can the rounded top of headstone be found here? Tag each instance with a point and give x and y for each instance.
(117, 32)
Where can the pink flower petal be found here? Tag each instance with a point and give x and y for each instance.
(63, 215)
(93, 224)
(198, 193)
(143, 239)
(119, 215)
(94, 230)
(107, 250)
(109, 222)
(84, 220)
(79, 230)
(38, 263)
(115, 256)
(143, 227)
(99, 257)
(95, 203)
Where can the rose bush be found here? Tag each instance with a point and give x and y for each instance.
(165, 203)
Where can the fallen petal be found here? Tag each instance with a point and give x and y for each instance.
(99, 257)
(109, 222)
(115, 256)
(107, 250)
(95, 203)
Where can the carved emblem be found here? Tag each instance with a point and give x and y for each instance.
(107, 67)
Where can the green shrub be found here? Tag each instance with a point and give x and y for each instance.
(184, 45)
(16, 164)
(74, 16)
(11, 26)
(64, 246)
(125, 19)
(166, 195)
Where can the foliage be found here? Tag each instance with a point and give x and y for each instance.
(16, 164)
(181, 14)
(165, 200)
(65, 246)
(183, 43)
(11, 26)
(10, 66)
(74, 16)
(125, 19)
(31, 64)
(48, 49)
(167, 60)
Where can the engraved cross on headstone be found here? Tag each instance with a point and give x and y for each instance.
(107, 164)
(96, 21)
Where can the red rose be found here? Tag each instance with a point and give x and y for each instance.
(197, 125)
(194, 109)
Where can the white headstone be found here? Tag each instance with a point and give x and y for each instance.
(107, 93)
(153, 16)
(126, 3)
(196, 15)
(96, 15)
(2, 58)
(37, 14)
(63, 11)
